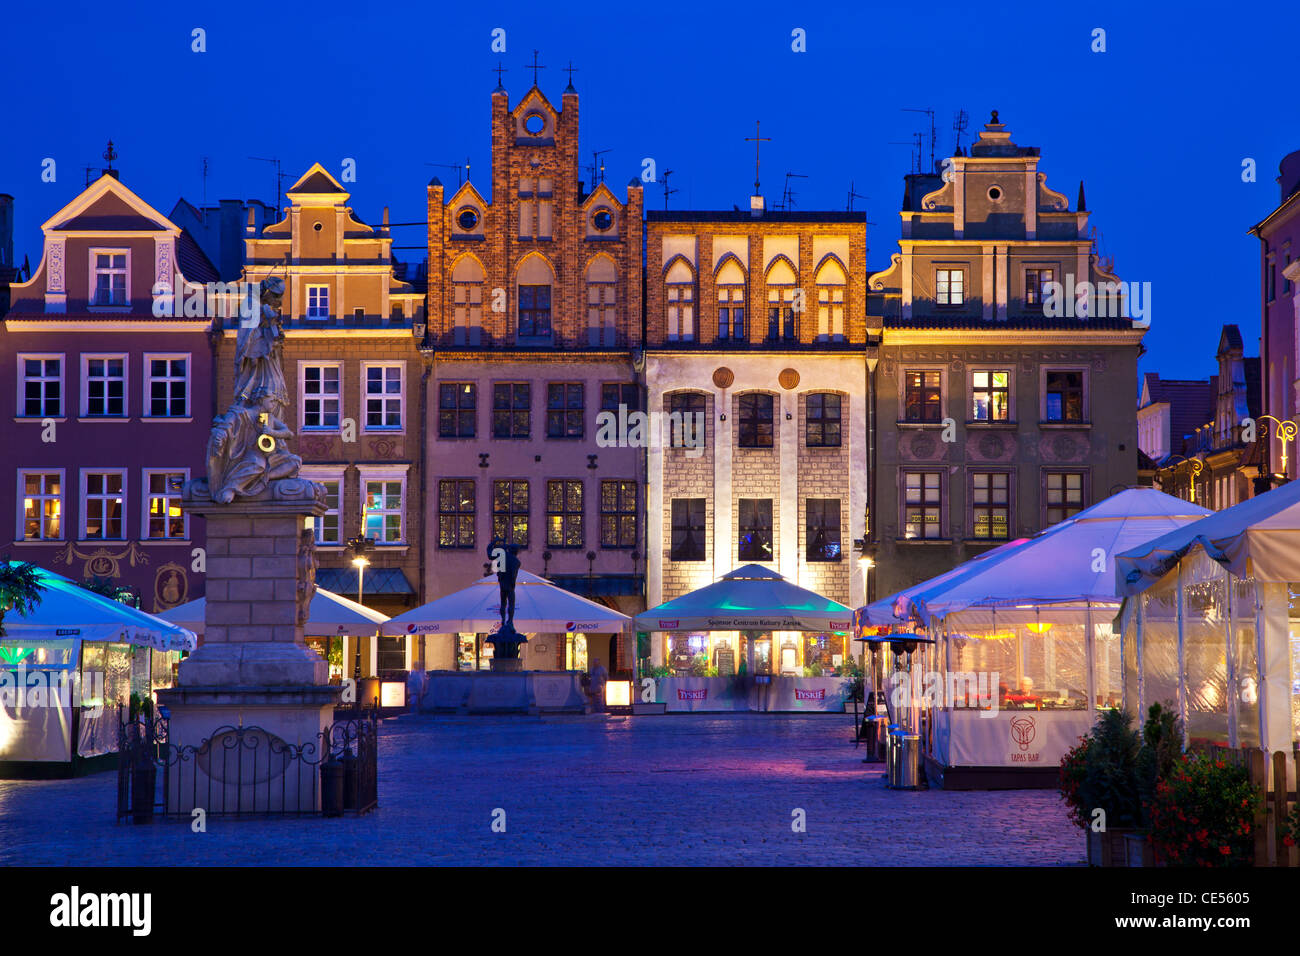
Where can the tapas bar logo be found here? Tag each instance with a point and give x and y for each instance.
(700, 694)
(1023, 731)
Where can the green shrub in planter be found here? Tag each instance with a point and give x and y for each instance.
(1203, 813)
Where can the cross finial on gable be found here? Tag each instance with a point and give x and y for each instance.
(535, 66)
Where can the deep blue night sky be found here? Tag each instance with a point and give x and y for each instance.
(1157, 126)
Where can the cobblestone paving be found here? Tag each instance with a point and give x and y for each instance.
(580, 790)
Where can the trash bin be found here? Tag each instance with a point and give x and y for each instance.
(874, 732)
(331, 787)
(904, 760)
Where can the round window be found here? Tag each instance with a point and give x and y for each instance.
(535, 123)
(467, 219)
(602, 220)
(995, 193)
(316, 226)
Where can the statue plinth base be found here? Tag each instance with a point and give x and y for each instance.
(506, 664)
(254, 668)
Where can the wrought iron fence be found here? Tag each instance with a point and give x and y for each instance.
(246, 772)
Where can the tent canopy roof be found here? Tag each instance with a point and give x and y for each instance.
(1257, 537)
(328, 614)
(752, 598)
(540, 608)
(67, 610)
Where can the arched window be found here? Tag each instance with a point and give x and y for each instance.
(731, 302)
(467, 299)
(781, 283)
(535, 280)
(681, 303)
(602, 287)
(830, 301)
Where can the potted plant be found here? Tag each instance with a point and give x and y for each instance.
(1099, 783)
(1203, 813)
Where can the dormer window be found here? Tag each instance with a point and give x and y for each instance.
(467, 219)
(110, 278)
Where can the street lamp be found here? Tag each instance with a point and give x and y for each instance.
(360, 546)
(1286, 433)
(1198, 466)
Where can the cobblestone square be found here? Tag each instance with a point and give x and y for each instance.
(597, 790)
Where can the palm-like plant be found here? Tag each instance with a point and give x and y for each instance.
(20, 589)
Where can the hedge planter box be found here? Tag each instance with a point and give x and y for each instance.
(1119, 846)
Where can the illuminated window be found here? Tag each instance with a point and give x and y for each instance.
(618, 512)
(329, 526)
(383, 509)
(42, 505)
(923, 395)
(564, 514)
(990, 395)
(823, 529)
(1063, 398)
(830, 302)
(103, 505)
(510, 512)
(680, 292)
(455, 513)
(755, 529)
(922, 504)
(467, 299)
(163, 516)
(1035, 285)
(990, 504)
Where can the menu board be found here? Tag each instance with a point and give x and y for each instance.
(724, 659)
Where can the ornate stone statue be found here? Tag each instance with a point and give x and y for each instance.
(306, 574)
(246, 448)
(506, 577)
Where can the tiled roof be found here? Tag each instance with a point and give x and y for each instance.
(192, 261)
(1025, 323)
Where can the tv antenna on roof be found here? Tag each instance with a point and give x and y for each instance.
(854, 195)
(930, 113)
(667, 192)
(788, 194)
(462, 170)
(960, 123)
(916, 161)
(597, 168)
(279, 177)
(205, 180)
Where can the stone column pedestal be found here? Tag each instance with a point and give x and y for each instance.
(253, 668)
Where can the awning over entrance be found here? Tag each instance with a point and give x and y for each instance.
(750, 598)
(378, 581)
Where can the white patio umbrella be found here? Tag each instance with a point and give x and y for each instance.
(750, 598)
(328, 615)
(540, 608)
(67, 610)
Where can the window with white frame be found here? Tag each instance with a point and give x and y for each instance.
(990, 497)
(163, 516)
(103, 505)
(949, 287)
(42, 505)
(110, 277)
(167, 385)
(103, 390)
(680, 295)
(1063, 495)
(1036, 281)
(830, 301)
(383, 505)
(318, 302)
(321, 395)
(990, 395)
(730, 283)
(40, 386)
(329, 526)
(383, 395)
(922, 504)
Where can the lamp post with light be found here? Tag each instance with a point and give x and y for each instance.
(360, 547)
(1286, 433)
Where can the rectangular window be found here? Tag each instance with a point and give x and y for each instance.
(990, 395)
(329, 526)
(455, 513)
(564, 409)
(688, 531)
(688, 428)
(1064, 396)
(755, 421)
(823, 426)
(922, 504)
(990, 497)
(1035, 284)
(110, 278)
(780, 313)
(457, 409)
(618, 514)
(1062, 496)
(105, 385)
(534, 311)
(755, 530)
(830, 312)
(42, 505)
(613, 395)
(103, 505)
(510, 512)
(320, 396)
(564, 514)
(823, 529)
(318, 302)
(511, 410)
(923, 396)
(383, 396)
(382, 515)
(167, 383)
(949, 287)
(42, 386)
(163, 516)
(731, 313)
(681, 312)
